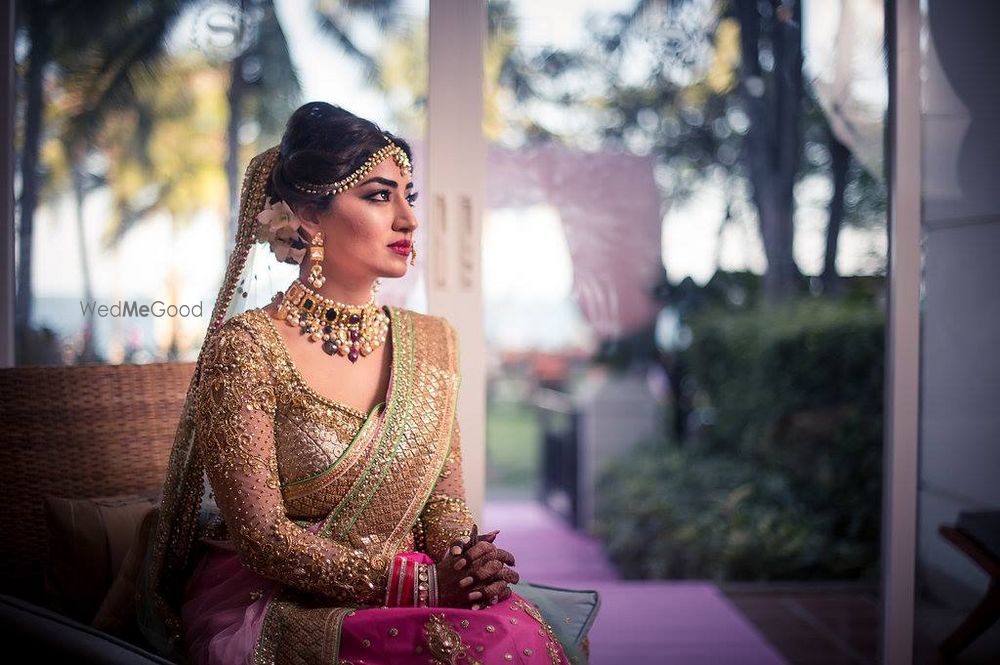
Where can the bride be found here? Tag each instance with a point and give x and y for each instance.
(332, 527)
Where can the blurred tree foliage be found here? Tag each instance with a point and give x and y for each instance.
(110, 96)
(670, 513)
(91, 55)
(714, 90)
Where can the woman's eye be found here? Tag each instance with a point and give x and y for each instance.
(385, 195)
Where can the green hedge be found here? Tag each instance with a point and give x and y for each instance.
(786, 482)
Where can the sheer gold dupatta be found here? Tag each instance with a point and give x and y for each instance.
(161, 580)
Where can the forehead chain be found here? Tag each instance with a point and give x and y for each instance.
(390, 149)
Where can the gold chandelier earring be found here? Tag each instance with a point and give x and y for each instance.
(413, 254)
(316, 277)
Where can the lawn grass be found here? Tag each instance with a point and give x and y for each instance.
(513, 437)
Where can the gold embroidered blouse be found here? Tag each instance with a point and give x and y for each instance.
(281, 458)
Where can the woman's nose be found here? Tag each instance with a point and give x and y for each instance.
(406, 216)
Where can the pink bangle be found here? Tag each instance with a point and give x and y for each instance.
(401, 582)
(412, 581)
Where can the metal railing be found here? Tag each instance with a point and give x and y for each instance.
(559, 420)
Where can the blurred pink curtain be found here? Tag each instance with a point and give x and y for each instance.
(610, 208)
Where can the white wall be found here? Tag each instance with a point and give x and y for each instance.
(960, 363)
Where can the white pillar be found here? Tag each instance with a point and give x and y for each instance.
(456, 175)
(899, 504)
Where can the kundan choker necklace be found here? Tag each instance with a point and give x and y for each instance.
(346, 330)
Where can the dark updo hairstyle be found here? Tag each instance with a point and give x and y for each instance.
(323, 143)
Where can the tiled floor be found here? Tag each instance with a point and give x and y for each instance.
(816, 625)
(813, 625)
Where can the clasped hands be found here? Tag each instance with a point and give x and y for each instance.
(475, 573)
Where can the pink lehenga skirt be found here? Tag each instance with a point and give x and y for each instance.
(225, 605)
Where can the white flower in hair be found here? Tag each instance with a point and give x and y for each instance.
(277, 225)
(273, 218)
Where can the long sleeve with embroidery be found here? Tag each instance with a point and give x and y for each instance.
(235, 411)
(446, 517)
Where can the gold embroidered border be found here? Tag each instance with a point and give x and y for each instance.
(300, 630)
(551, 641)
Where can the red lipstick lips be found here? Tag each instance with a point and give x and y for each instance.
(401, 247)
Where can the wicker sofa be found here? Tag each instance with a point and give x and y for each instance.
(81, 448)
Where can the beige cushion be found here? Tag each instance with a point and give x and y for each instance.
(88, 541)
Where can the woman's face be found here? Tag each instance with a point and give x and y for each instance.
(361, 224)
